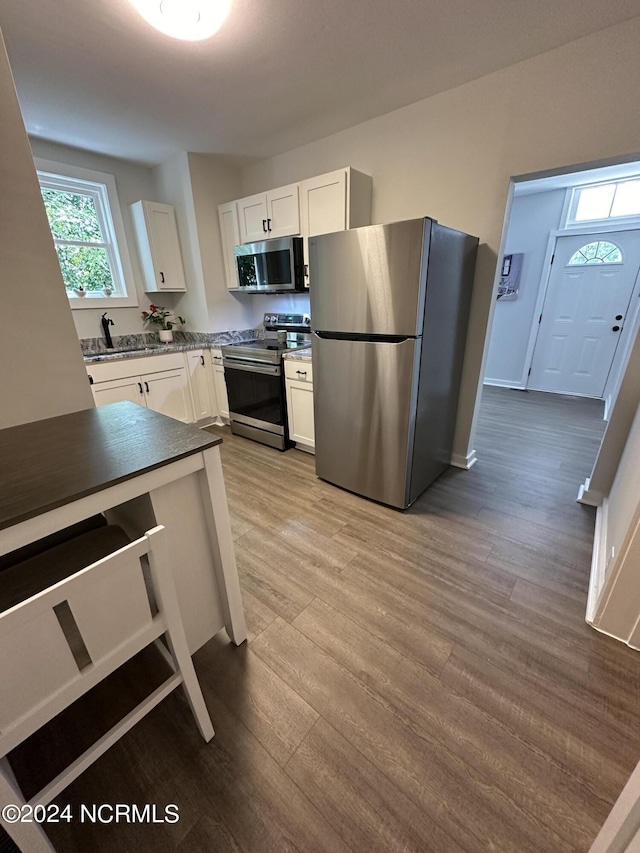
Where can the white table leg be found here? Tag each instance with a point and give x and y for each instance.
(214, 498)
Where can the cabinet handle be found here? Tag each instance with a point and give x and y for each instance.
(161, 278)
(140, 387)
(268, 225)
(306, 270)
(146, 385)
(202, 360)
(90, 379)
(217, 358)
(301, 372)
(264, 225)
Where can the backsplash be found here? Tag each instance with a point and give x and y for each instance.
(96, 346)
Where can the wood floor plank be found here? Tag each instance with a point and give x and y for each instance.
(276, 715)
(359, 801)
(449, 793)
(533, 779)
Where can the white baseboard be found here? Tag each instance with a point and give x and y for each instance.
(504, 383)
(598, 561)
(465, 462)
(587, 496)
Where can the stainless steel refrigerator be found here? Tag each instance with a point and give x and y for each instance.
(389, 313)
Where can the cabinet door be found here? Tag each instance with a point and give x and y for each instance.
(252, 217)
(168, 392)
(116, 390)
(159, 246)
(230, 233)
(300, 412)
(324, 203)
(221, 391)
(284, 211)
(199, 382)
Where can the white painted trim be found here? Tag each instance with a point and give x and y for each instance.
(504, 383)
(542, 295)
(598, 561)
(122, 254)
(587, 497)
(465, 462)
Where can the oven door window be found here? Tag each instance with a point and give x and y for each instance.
(255, 395)
(268, 269)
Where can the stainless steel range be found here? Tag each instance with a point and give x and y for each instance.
(254, 376)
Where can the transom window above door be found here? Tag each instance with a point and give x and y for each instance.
(599, 252)
(604, 203)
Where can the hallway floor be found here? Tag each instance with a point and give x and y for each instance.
(419, 681)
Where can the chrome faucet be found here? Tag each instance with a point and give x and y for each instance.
(106, 322)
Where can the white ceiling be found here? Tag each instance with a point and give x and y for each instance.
(280, 73)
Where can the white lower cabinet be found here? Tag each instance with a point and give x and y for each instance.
(202, 393)
(187, 386)
(160, 383)
(299, 388)
(219, 385)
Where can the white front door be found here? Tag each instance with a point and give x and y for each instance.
(586, 304)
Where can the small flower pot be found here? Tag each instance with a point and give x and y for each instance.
(106, 291)
(80, 293)
(166, 336)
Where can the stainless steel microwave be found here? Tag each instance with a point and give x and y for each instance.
(270, 266)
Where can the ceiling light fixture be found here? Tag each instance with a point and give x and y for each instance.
(191, 20)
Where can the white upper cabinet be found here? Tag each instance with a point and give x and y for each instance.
(159, 246)
(335, 201)
(230, 234)
(272, 214)
(331, 202)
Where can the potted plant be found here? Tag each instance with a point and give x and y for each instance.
(157, 315)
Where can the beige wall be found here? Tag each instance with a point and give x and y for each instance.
(41, 369)
(133, 182)
(451, 156)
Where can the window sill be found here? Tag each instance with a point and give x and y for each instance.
(88, 301)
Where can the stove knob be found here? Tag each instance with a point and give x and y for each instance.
(307, 321)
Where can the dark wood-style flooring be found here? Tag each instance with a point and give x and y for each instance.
(416, 682)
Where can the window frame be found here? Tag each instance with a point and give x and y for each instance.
(570, 222)
(102, 188)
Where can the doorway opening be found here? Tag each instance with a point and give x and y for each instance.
(568, 302)
(566, 316)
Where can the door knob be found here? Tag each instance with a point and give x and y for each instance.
(615, 328)
(618, 316)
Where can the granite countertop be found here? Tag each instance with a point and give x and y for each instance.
(46, 464)
(302, 354)
(146, 344)
(152, 349)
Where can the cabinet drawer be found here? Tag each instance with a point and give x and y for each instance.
(301, 371)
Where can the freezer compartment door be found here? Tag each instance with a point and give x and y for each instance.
(364, 400)
(370, 280)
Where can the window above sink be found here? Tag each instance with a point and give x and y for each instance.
(86, 225)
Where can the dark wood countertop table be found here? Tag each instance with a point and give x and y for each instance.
(49, 463)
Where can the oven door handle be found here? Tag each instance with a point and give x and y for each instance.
(253, 367)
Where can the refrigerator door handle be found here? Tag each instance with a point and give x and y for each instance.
(374, 339)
